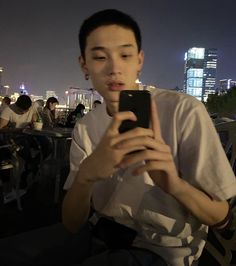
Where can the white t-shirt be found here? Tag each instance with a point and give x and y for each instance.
(2, 107)
(163, 224)
(15, 119)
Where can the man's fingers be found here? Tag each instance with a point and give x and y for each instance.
(155, 121)
(146, 141)
(145, 155)
(118, 118)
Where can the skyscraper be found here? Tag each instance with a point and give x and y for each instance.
(200, 72)
(210, 67)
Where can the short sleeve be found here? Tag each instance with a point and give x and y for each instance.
(6, 113)
(202, 160)
(79, 150)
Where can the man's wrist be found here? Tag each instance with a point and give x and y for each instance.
(85, 175)
(179, 188)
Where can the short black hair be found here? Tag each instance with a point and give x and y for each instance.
(97, 101)
(79, 107)
(104, 18)
(51, 100)
(6, 100)
(23, 102)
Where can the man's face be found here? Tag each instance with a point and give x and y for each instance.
(112, 61)
(22, 111)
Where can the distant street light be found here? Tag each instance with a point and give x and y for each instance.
(6, 87)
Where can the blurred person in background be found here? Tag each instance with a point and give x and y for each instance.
(75, 115)
(19, 114)
(38, 108)
(5, 102)
(96, 103)
(48, 114)
(5, 159)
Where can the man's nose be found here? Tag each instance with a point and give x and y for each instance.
(114, 66)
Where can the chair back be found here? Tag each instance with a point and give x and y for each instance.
(227, 134)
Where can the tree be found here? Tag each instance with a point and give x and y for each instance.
(224, 104)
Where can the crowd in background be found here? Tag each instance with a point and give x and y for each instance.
(27, 114)
(23, 113)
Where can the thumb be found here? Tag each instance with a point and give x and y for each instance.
(155, 121)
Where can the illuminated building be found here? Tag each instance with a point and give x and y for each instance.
(226, 84)
(23, 90)
(74, 96)
(200, 72)
(210, 66)
(6, 89)
(36, 97)
(50, 94)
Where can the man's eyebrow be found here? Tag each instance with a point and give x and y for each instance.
(102, 48)
(97, 48)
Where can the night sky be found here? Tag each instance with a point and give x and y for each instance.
(38, 39)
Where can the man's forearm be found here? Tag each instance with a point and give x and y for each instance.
(205, 209)
(76, 205)
(3, 123)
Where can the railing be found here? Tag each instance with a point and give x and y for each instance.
(222, 245)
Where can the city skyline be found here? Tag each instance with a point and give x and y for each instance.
(39, 47)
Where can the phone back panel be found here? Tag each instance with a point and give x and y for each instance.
(139, 103)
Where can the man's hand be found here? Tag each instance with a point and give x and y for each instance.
(157, 155)
(106, 158)
(117, 151)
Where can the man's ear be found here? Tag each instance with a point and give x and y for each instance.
(83, 64)
(141, 59)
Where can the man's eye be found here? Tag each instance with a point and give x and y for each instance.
(99, 58)
(126, 55)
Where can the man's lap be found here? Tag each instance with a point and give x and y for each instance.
(124, 257)
(54, 245)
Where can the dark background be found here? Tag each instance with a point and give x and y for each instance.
(38, 39)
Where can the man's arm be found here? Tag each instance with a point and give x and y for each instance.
(100, 165)
(34, 118)
(3, 123)
(161, 167)
(76, 204)
(207, 210)
(201, 205)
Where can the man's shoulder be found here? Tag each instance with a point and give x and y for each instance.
(32, 110)
(94, 122)
(174, 98)
(7, 110)
(95, 116)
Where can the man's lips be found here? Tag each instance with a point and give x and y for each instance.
(116, 86)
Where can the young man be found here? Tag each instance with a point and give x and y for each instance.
(169, 192)
(19, 114)
(150, 207)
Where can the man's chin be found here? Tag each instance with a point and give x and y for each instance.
(112, 107)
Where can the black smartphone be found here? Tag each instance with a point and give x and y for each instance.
(139, 102)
